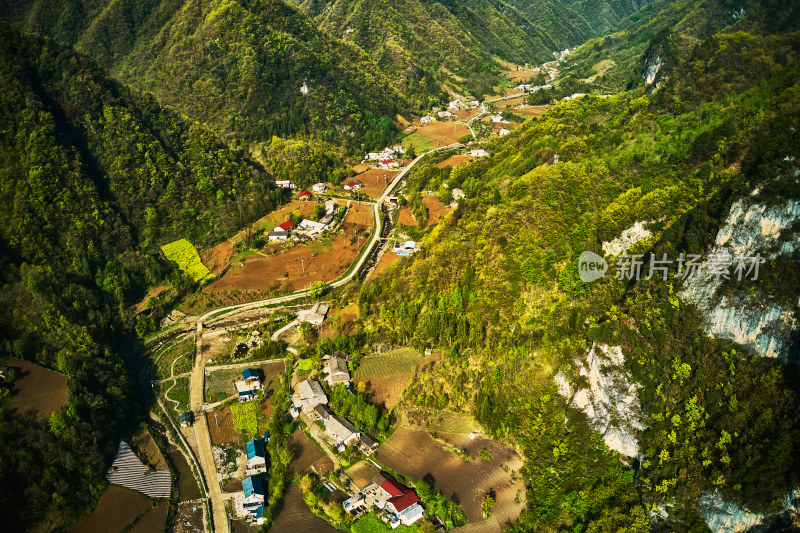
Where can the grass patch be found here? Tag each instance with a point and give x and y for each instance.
(179, 393)
(420, 142)
(183, 353)
(305, 366)
(184, 254)
(400, 361)
(370, 523)
(221, 381)
(246, 418)
(450, 422)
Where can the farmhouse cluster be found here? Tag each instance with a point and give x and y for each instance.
(306, 228)
(395, 503)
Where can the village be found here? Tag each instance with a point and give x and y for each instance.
(356, 461)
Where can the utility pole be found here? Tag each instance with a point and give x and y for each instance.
(303, 264)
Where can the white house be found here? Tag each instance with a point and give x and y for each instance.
(427, 119)
(388, 164)
(318, 187)
(499, 119)
(309, 227)
(455, 105)
(352, 185)
(458, 194)
(445, 114)
(285, 184)
(254, 497)
(503, 132)
(480, 152)
(405, 248)
(315, 315)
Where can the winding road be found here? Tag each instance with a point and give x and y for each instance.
(196, 396)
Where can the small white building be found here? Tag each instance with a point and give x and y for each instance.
(445, 114)
(427, 119)
(309, 227)
(352, 185)
(315, 315)
(405, 248)
(455, 105)
(503, 132)
(318, 187)
(458, 194)
(285, 184)
(248, 385)
(480, 152)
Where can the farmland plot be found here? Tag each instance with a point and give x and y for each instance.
(37, 389)
(116, 509)
(184, 254)
(296, 516)
(413, 453)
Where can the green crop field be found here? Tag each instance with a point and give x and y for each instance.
(400, 361)
(419, 142)
(184, 254)
(370, 523)
(247, 418)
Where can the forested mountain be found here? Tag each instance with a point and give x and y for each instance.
(641, 47)
(249, 69)
(412, 40)
(639, 403)
(93, 178)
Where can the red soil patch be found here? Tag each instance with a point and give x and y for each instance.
(339, 321)
(221, 428)
(414, 453)
(297, 268)
(37, 390)
(454, 161)
(152, 293)
(115, 510)
(154, 520)
(445, 132)
(466, 114)
(387, 260)
(436, 211)
(375, 181)
(402, 123)
(295, 516)
(217, 258)
(406, 218)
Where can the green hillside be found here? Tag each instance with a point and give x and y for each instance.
(95, 177)
(496, 287)
(238, 67)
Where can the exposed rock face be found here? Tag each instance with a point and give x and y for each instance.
(652, 69)
(723, 516)
(611, 401)
(627, 238)
(748, 319)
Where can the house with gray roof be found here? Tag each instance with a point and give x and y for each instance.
(308, 394)
(337, 370)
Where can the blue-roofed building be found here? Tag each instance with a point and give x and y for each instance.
(248, 385)
(250, 502)
(256, 457)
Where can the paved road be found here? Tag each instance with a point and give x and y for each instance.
(203, 437)
(202, 434)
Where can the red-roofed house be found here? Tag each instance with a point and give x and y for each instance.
(305, 195)
(393, 488)
(388, 164)
(286, 226)
(403, 502)
(352, 185)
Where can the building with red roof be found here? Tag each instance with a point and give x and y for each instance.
(403, 502)
(286, 226)
(305, 195)
(393, 488)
